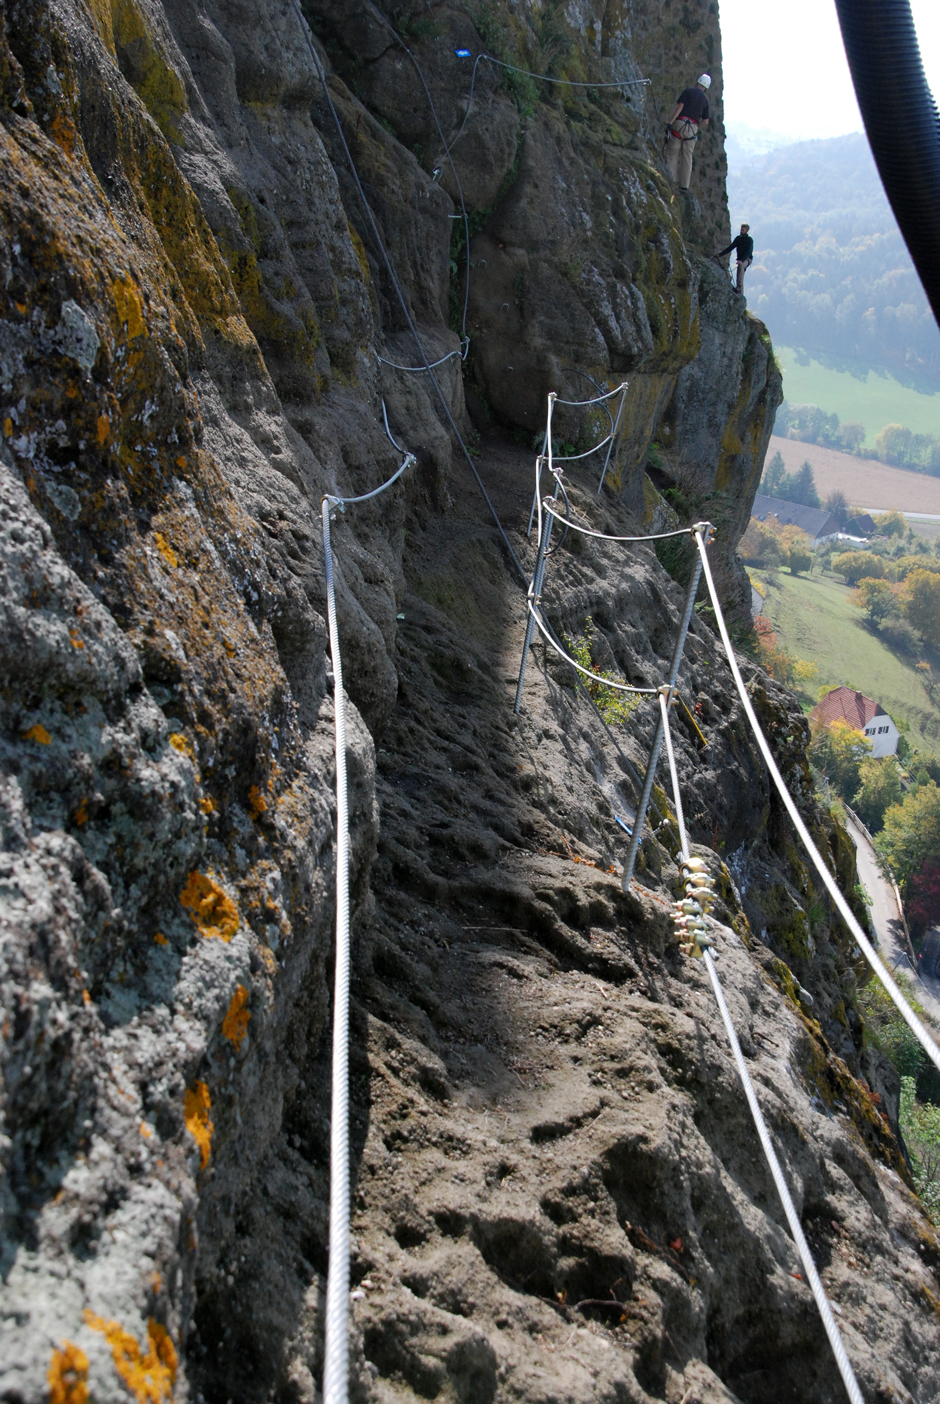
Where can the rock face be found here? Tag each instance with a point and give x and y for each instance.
(557, 1190)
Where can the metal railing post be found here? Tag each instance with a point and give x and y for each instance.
(613, 438)
(535, 495)
(704, 529)
(537, 578)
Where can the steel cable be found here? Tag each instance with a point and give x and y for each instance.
(789, 1209)
(399, 292)
(848, 916)
(336, 1367)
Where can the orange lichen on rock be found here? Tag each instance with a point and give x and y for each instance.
(165, 549)
(8, 427)
(213, 912)
(37, 733)
(182, 743)
(68, 1375)
(103, 428)
(149, 1375)
(235, 1023)
(207, 804)
(160, 939)
(257, 801)
(81, 813)
(130, 308)
(196, 1107)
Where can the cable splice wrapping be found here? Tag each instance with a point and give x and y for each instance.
(848, 916)
(770, 1155)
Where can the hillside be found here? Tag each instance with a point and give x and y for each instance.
(831, 273)
(257, 261)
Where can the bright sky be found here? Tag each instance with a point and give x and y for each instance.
(785, 68)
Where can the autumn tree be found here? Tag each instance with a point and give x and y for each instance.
(910, 834)
(890, 523)
(879, 788)
(878, 598)
(838, 751)
(853, 565)
(922, 604)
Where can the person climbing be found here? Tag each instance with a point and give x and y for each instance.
(744, 246)
(691, 116)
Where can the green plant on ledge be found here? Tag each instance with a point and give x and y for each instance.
(613, 706)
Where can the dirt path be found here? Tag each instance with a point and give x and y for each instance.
(865, 482)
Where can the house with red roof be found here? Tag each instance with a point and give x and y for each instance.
(862, 714)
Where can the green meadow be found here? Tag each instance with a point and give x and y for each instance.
(856, 392)
(815, 620)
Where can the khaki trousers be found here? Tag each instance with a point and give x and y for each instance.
(743, 266)
(679, 154)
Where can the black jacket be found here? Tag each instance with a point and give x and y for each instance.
(744, 245)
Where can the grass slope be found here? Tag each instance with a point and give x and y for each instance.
(815, 619)
(873, 397)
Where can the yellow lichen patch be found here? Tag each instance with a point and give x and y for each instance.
(62, 131)
(103, 428)
(130, 309)
(81, 813)
(145, 1130)
(213, 912)
(101, 14)
(165, 549)
(149, 1375)
(8, 426)
(182, 743)
(257, 801)
(37, 733)
(77, 640)
(68, 1375)
(196, 1107)
(930, 1298)
(158, 85)
(160, 939)
(207, 804)
(235, 1023)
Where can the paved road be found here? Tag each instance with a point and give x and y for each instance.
(886, 920)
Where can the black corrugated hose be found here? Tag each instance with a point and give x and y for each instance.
(902, 123)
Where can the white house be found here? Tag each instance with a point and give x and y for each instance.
(862, 714)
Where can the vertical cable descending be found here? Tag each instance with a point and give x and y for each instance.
(789, 1209)
(832, 887)
(336, 1367)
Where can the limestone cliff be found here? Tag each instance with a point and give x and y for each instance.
(557, 1189)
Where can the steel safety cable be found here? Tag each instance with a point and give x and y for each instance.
(606, 682)
(336, 1367)
(406, 311)
(419, 370)
(789, 1209)
(440, 131)
(539, 77)
(598, 399)
(848, 916)
(604, 536)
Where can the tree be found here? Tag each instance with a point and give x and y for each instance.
(853, 565)
(893, 444)
(878, 598)
(796, 549)
(852, 435)
(838, 751)
(922, 603)
(760, 545)
(799, 487)
(920, 1126)
(837, 506)
(773, 473)
(890, 523)
(923, 904)
(879, 788)
(910, 834)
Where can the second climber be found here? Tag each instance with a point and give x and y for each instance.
(689, 118)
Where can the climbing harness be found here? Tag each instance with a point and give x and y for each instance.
(337, 1288)
(697, 943)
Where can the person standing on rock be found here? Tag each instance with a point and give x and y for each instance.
(690, 117)
(744, 246)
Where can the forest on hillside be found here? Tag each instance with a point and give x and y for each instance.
(831, 273)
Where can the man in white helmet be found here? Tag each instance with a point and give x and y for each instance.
(690, 117)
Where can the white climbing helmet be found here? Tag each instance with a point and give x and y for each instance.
(705, 81)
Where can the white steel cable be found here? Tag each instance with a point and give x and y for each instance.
(603, 536)
(789, 1209)
(336, 1367)
(848, 916)
(598, 399)
(573, 457)
(419, 370)
(605, 682)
